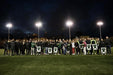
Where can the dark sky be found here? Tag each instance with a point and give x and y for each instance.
(53, 13)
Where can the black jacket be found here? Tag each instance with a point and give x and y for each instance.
(102, 44)
(107, 42)
(12, 44)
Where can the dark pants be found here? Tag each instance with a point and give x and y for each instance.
(17, 51)
(12, 49)
(5, 51)
(23, 52)
(98, 50)
(108, 49)
(35, 51)
(28, 51)
(77, 51)
(64, 51)
(70, 51)
(91, 51)
(59, 51)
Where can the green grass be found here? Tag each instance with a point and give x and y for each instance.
(57, 65)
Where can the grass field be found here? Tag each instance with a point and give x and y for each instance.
(56, 65)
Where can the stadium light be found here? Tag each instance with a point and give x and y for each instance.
(100, 23)
(38, 25)
(9, 26)
(69, 24)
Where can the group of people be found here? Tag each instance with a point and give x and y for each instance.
(76, 46)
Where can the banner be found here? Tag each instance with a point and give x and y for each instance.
(88, 46)
(38, 48)
(55, 50)
(95, 47)
(103, 50)
(50, 50)
(81, 46)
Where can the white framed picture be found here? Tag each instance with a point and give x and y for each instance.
(95, 47)
(55, 50)
(88, 46)
(50, 50)
(103, 50)
(38, 48)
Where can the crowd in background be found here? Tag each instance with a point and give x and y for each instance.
(83, 46)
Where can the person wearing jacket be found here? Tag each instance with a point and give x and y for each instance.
(33, 44)
(12, 44)
(28, 47)
(85, 44)
(108, 45)
(77, 47)
(17, 46)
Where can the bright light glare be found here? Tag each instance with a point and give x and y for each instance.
(100, 23)
(38, 24)
(69, 23)
(9, 25)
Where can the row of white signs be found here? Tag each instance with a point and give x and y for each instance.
(55, 49)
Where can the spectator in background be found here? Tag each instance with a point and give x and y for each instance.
(108, 45)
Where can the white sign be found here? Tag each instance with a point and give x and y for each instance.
(81, 46)
(55, 50)
(88, 46)
(95, 47)
(103, 50)
(38, 48)
(50, 50)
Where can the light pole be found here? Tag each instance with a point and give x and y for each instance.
(38, 25)
(100, 23)
(9, 26)
(69, 24)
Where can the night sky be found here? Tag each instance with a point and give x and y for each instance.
(53, 13)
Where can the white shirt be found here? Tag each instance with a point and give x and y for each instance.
(73, 45)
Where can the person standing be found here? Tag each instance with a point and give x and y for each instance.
(88, 41)
(81, 44)
(108, 45)
(64, 47)
(59, 46)
(28, 47)
(12, 46)
(98, 44)
(102, 45)
(69, 47)
(93, 43)
(6, 48)
(22, 47)
(73, 47)
(85, 44)
(46, 46)
(33, 47)
(77, 47)
(17, 46)
(39, 44)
